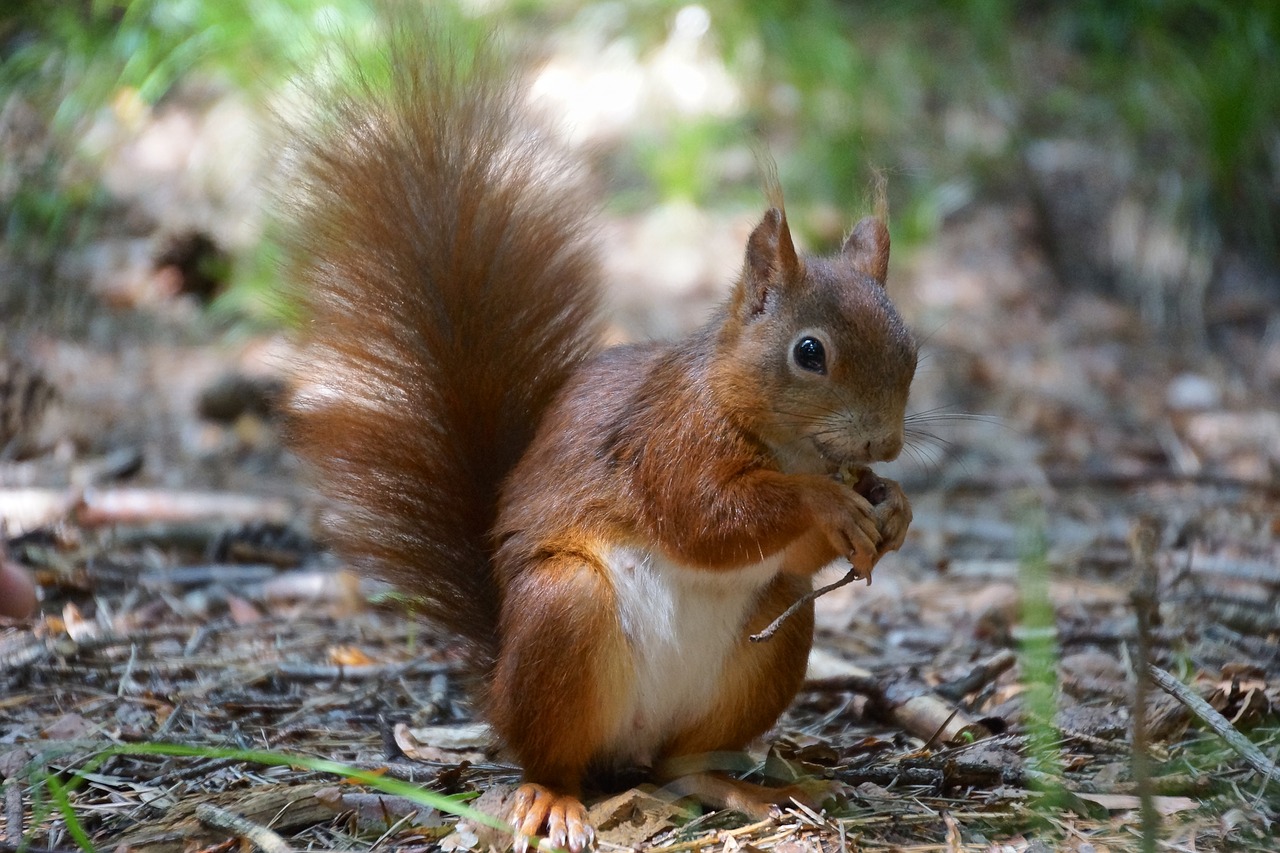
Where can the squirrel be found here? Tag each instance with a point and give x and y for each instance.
(602, 528)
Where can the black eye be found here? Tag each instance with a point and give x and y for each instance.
(810, 355)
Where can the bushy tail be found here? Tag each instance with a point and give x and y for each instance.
(437, 253)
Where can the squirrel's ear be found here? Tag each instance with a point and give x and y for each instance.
(771, 262)
(867, 248)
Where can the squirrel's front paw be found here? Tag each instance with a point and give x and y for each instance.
(538, 810)
(850, 523)
(893, 513)
(889, 507)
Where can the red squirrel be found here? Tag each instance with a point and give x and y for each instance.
(601, 528)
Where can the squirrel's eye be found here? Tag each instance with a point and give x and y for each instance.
(810, 355)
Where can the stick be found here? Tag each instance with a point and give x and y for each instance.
(851, 576)
(13, 815)
(1142, 540)
(1221, 725)
(983, 673)
(220, 818)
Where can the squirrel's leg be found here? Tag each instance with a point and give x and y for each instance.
(719, 791)
(557, 690)
(760, 681)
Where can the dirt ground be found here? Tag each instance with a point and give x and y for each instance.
(1095, 494)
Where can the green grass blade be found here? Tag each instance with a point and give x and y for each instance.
(59, 795)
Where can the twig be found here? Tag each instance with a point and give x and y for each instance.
(863, 684)
(711, 840)
(1142, 541)
(126, 678)
(1214, 566)
(983, 673)
(22, 649)
(937, 734)
(1256, 647)
(851, 576)
(947, 774)
(99, 507)
(905, 702)
(908, 704)
(28, 509)
(12, 811)
(220, 818)
(1220, 725)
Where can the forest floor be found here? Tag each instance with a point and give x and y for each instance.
(1084, 622)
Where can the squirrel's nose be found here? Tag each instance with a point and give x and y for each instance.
(885, 449)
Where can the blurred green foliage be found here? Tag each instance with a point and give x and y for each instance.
(943, 97)
(946, 96)
(66, 62)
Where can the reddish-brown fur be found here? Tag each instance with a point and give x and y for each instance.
(447, 292)
(481, 455)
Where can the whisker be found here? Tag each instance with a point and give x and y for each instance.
(930, 438)
(947, 413)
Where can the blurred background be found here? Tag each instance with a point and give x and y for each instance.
(1084, 200)
(1141, 136)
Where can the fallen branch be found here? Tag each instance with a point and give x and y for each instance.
(13, 815)
(913, 707)
(101, 507)
(1220, 725)
(27, 509)
(983, 673)
(941, 775)
(220, 818)
(903, 701)
(1143, 540)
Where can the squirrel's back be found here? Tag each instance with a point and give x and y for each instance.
(437, 253)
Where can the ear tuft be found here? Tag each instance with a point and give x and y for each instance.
(867, 248)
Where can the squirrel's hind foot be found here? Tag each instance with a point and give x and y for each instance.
(718, 791)
(537, 810)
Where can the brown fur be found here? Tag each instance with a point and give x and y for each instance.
(664, 447)
(478, 452)
(447, 292)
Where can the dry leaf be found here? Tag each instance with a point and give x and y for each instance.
(378, 811)
(242, 612)
(68, 727)
(954, 841)
(1128, 802)
(78, 628)
(632, 817)
(825, 664)
(495, 801)
(792, 845)
(337, 590)
(12, 761)
(349, 656)
(465, 742)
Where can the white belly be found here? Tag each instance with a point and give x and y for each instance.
(681, 625)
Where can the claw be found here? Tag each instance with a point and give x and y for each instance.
(557, 832)
(536, 809)
(584, 838)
